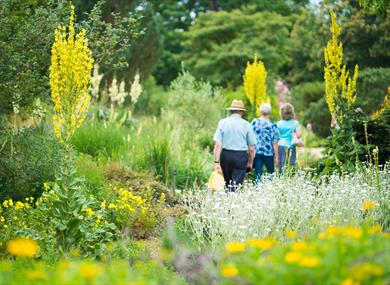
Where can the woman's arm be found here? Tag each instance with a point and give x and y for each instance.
(298, 130)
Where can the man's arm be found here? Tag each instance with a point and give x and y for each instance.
(251, 152)
(217, 156)
(251, 147)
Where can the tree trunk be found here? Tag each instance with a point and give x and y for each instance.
(214, 5)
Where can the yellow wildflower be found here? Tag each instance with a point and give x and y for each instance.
(263, 244)
(291, 234)
(375, 229)
(309, 261)
(37, 275)
(355, 233)
(331, 231)
(229, 271)
(349, 281)
(90, 271)
(19, 205)
(75, 253)
(46, 186)
(89, 212)
(22, 247)
(110, 247)
(300, 245)
(234, 247)
(365, 270)
(111, 206)
(63, 265)
(293, 256)
(368, 205)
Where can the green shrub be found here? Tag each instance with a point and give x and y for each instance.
(152, 100)
(306, 93)
(371, 88)
(378, 134)
(310, 105)
(98, 138)
(28, 158)
(195, 104)
(319, 117)
(311, 139)
(90, 170)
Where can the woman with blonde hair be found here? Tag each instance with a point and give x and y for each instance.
(288, 127)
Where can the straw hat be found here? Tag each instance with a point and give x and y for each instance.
(237, 105)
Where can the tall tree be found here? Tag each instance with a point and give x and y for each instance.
(218, 45)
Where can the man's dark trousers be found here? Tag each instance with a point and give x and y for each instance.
(234, 164)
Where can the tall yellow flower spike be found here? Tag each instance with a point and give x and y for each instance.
(70, 79)
(255, 86)
(340, 87)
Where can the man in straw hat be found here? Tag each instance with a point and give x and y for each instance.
(234, 146)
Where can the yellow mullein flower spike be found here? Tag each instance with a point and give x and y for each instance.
(340, 87)
(255, 86)
(70, 79)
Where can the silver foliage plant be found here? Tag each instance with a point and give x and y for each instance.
(299, 203)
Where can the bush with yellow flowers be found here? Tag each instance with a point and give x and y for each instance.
(14, 216)
(137, 214)
(338, 255)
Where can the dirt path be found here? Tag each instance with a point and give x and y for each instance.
(312, 151)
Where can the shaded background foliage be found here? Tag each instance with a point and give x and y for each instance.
(213, 39)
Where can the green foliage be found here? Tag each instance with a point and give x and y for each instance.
(318, 115)
(364, 34)
(93, 172)
(76, 217)
(380, 6)
(308, 37)
(343, 151)
(28, 158)
(218, 45)
(311, 139)
(152, 100)
(372, 87)
(26, 37)
(97, 138)
(310, 104)
(378, 135)
(306, 93)
(194, 103)
(118, 31)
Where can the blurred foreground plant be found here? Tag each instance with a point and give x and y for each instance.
(337, 255)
